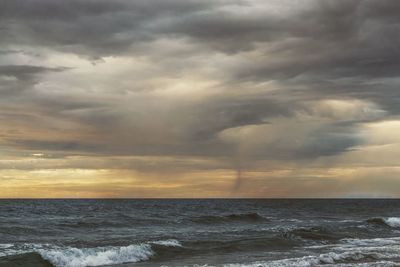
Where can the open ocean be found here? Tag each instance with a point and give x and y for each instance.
(226, 233)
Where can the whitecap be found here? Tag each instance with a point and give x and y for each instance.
(372, 241)
(393, 221)
(81, 257)
(167, 243)
(308, 261)
(61, 256)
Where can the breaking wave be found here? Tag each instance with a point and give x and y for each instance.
(323, 259)
(350, 252)
(391, 221)
(74, 257)
(82, 257)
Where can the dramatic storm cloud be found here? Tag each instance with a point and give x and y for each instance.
(199, 98)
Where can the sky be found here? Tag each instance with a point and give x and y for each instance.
(210, 98)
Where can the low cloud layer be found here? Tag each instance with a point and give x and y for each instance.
(172, 95)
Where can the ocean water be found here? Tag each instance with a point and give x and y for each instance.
(225, 233)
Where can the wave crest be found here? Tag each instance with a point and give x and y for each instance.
(313, 233)
(391, 221)
(75, 257)
(328, 258)
(98, 256)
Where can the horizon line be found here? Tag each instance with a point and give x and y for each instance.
(207, 198)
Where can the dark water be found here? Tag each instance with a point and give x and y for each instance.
(230, 233)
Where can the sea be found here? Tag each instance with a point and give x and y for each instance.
(199, 232)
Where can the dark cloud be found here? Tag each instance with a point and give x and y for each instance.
(320, 50)
(25, 72)
(93, 28)
(341, 39)
(15, 79)
(329, 141)
(49, 145)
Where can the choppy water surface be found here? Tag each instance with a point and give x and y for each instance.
(229, 233)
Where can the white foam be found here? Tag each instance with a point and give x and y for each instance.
(82, 257)
(167, 243)
(365, 264)
(75, 257)
(351, 250)
(308, 261)
(11, 249)
(268, 264)
(393, 221)
(372, 241)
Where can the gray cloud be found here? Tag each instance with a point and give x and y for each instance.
(25, 72)
(93, 28)
(320, 50)
(15, 79)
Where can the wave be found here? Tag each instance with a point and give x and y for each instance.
(314, 233)
(115, 223)
(347, 252)
(382, 242)
(240, 217)
(82, 257)
(353, 256)
(352, 252)
(322, 259)
(240, 245)
(91, 224)
(167, 243)
(391, 221)
(75, 257)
